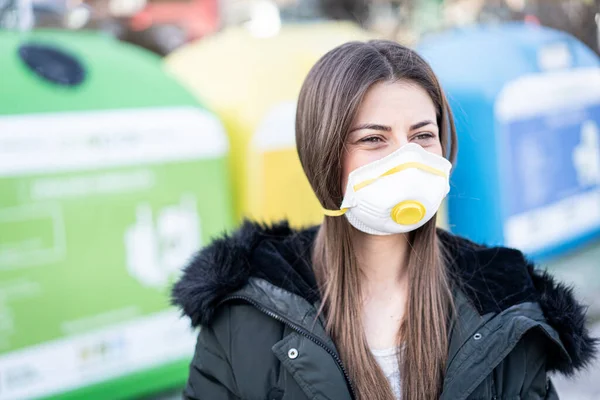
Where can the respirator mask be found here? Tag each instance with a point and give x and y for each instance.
(395, 194)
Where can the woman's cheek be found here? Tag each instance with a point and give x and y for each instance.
(356, 158)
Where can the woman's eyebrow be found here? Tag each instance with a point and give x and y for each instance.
(375, 127)
(422, 124)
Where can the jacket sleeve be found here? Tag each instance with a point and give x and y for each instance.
(536, 383)
(211, 376)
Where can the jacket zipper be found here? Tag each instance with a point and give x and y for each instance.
(302, 332)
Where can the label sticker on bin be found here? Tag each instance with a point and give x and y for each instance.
(550, 145)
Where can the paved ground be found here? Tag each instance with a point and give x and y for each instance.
(582, 270)
(585, 386)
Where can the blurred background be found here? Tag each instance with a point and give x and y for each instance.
(134, 131)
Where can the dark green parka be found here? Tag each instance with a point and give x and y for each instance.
(255, 297)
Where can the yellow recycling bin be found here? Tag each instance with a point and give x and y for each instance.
(252, 84)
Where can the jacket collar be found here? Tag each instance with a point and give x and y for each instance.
(493, 279)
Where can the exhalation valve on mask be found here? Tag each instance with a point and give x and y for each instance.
(395, 194)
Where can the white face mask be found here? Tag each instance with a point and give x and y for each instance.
(396, 194)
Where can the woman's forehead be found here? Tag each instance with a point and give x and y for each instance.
(395, 102)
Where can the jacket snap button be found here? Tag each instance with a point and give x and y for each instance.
(477, 336)
(293, 353)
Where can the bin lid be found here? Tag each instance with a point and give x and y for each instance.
(239, 74)
(53, 71)
(485, 57)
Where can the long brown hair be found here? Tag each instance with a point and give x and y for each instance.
(328, 102)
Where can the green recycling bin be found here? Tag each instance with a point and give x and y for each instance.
(111, 177)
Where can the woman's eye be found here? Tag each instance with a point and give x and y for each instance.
(424, 136)
(371, 139)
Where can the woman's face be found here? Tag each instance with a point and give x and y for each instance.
(391, 115)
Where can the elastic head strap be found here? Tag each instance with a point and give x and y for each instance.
(334, 213)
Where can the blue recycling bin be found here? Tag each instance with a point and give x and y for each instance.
(526, 100)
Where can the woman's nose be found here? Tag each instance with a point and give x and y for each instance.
(398, 141)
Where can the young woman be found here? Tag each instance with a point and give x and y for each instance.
(375, 303)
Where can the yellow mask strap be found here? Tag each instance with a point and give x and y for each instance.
(334, 213)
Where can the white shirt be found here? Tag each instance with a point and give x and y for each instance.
(388, 361)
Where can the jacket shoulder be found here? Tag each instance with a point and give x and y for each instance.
(497, 278)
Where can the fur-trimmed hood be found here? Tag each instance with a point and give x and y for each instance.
(492, 278)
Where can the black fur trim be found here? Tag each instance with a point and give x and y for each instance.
(567, 316)
(493, 278)
(275, 253)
